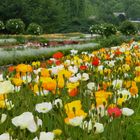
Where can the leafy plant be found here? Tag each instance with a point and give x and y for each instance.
(15, 26)
(128, 28)
(34, 29)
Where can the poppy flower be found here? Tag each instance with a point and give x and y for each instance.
(83, 67)
(114, 111)
(58, 55)
(73, 92)
(95, 61)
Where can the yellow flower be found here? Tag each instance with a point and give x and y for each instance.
(17, 81)
(61, 82)
(120, 101)
(137, 79)
(72, 85)
(36, 64)
(57, 132)
(2, 104)
(45, 72)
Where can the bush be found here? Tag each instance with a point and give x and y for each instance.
(104, 29)
(15, 26)
(111, 41)
(128, 28)
(34, 29)
(2, 26)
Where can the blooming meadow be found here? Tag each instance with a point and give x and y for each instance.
(86, 96)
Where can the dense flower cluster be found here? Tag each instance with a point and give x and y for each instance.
(73, 92)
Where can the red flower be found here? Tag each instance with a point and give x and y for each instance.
(58, 55)
(11, 68)
(95, 61)
(118, 52)
(114, 111)
(83, 67)
(49, 62)
(58, 62)
(73, 92)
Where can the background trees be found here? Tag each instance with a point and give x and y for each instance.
(67, 15)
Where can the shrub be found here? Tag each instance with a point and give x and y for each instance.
(111, 41)
(128, 28)
(2, 26)
(104, 29)
(34, 29)
(15, 26)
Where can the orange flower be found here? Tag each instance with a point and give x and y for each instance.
(45, 72)
(134, 90)
(73, 92)
(23, 68)
(49, 84)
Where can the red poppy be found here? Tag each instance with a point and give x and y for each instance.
(58, 62)
(49, 62)
(73, 92)
(114, 111)
(11, 68)
(118, 52)
(58, 55)
(83, 67)
(95, 61)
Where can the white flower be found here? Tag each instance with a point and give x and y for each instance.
(76, 121)
(117, 83)
(3, 118)
(26, 79)
(1, 77)
(100, 68)
(73, 69)
(127, 111)
(91, 85)
(87, 125)
(25, 120)
(101, 110)
(99, 128)
(73, 79)
(9, 104)
(125, 93)
(39, 122)
(79, 76)
(46, 136)
(58, 103)
(85, 77)
(6, 87)
(67, 62)
(73, 52)
(43, 107)
(5, 136)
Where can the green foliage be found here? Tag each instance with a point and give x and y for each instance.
(2, 26)
(34, 29)
(15, 26)
(128, 28)
(103, 29)
(111, 41)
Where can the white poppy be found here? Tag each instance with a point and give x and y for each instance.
(76, 121)
(3, 118)
(25, 120)
(58, 103)
(91, 85)
(99, 128)
(85, 77)
(43, 107)
(5, 136)
(127, 111)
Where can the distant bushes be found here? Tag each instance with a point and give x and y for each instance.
(17, 26)
(34, 29)
(107, 30)
(128, 28)
(2, 26)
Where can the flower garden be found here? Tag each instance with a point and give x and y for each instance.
(89, 95)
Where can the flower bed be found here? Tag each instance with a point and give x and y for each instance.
(78, 96)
